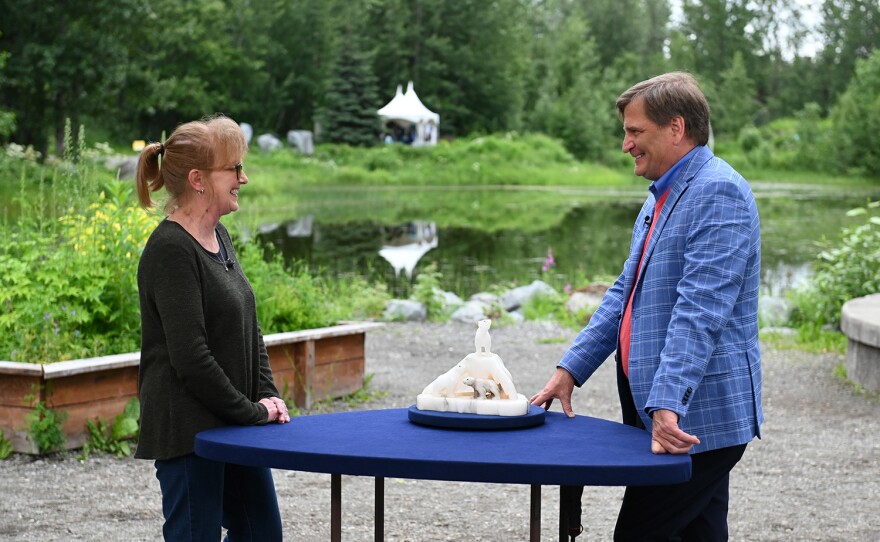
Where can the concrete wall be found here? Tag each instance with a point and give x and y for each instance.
(860, 322)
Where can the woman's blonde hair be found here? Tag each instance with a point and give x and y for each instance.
(204, 144)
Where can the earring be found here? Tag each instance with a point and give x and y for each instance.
(202, 192)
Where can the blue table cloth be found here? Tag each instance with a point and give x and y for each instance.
(384, 443)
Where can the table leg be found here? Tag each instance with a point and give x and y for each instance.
(379, 520)
(535, 514)
(563, 514)
(335, 508)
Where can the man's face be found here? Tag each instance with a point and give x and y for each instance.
(653, 146)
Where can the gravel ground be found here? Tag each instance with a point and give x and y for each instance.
(815, 476)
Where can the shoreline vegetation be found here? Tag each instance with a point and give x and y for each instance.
(75, 234)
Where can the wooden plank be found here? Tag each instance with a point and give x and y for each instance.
(93, 387)
(339, 348)
(14, 388)
(338, 379)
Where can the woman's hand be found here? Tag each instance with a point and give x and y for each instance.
(277, 409)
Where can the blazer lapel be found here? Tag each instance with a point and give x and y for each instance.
(678, 187)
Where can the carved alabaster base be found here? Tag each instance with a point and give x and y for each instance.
(469, 405)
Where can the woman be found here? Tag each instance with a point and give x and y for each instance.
(203, 361)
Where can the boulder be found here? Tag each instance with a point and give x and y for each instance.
(405, 310)
(125, 166)
(268, 143)
(248, 131)
(470, 313)
(517, 297)
(450, 300)
(302, 141)
(484, 297)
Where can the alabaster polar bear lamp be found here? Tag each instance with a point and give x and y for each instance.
(478, 384)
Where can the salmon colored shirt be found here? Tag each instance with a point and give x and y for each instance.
(626, 322)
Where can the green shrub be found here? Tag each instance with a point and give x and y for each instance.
(353, 297)
(44, 428)
(427, 292)
(288, 298)
(70, 290)
(749, 138)
(552, 307)
(5, 446)
(115, 437)
(842, 272)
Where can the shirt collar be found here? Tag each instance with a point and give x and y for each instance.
(661, 185)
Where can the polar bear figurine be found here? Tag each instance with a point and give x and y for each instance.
(460, 388)
(481, 364)
(483, 388)
(482, 340)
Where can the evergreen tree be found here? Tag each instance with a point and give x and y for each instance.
(348, 114)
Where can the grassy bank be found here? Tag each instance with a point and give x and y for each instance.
(499, 159)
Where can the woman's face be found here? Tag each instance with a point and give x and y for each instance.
(226, 181)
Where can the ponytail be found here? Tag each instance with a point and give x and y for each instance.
(149, 175)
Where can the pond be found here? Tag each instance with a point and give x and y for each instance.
(483, 237)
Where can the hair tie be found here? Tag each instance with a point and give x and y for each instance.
(161, 149)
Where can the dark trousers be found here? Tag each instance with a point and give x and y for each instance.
(199, 496)
(693, 511)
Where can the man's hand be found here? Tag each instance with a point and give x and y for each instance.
(667, 437)
(559, 387)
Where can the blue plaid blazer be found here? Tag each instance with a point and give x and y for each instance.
(695, 347)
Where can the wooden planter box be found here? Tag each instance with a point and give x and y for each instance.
(308, 366)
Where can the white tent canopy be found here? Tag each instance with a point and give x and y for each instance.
(418, 124)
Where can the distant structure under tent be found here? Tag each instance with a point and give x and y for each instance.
(408, 121)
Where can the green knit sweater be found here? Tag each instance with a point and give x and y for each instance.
(203, 361)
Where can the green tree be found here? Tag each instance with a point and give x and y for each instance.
(812, 139)
(784, 79)
(64, 60)
(206, 61)
(735, 103)
(7, 118)
(717, 30)
(855, 120)
(298, 53)
(468, 60)
(628, 27)
(396, 31)
(348, 114)
(851, 31)
(574, 101)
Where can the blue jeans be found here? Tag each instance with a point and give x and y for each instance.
(199, 496)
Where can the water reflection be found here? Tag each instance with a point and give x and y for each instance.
(406, 244)
(589, 239)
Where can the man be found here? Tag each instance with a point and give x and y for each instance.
(683, 315)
